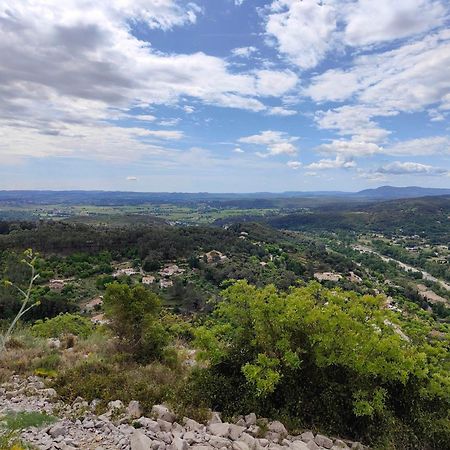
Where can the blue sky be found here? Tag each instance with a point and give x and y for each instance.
(224, 95)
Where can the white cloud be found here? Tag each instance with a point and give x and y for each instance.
(275, 83)
(434, 145)
(404, 168)
(303, 29)
(77, 62)
(370, 22)
(244, 52)
(338, 163)
(280, 111)
(408, 78)
(355, 120)
(238, 150)
(169, 122)
(276, 143)
(294, 164)
(350, 148)
(132, 178)
(145, 117)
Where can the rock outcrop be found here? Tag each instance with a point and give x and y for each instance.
(124, 427)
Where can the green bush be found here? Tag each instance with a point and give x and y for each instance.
(63, 324)
(134, 317)
(329, 358)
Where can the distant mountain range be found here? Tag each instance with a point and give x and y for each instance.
(122, 198)
(391, 192)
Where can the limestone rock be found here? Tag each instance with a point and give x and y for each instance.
(239, 445)
(307, 436)
(323, 441)
(312, 445)
(162, 412)
(134, 409)
(139, 441)
(179, 444)
(278, 427)
(219, 429)
(250, 419)
(235, 431)
(298, 445)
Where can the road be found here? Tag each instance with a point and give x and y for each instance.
(406, 267)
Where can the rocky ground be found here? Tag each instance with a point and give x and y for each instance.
(124, 427)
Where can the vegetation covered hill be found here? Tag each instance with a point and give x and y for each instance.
(427, 216)
(231, 318)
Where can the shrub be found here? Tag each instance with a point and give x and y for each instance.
(62, 325)
(134, 316)
(96, 379)
(326, 357)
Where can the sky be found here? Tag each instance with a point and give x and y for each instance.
(224, 95)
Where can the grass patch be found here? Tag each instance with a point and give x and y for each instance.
(12, 423)
(17, 421)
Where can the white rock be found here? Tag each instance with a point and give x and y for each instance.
(277, 427)
(219, 429)
(139, 441)
(219, 442)
(57, 430)
(192, 425)
(179, 444)
(250, 419)
(164, 425)
(134, 409)
(215, 418)
(307, 436)
(249, 440)
(190, 437)
(298, 445)
(150, 424)
(235, 431)
(115, 405)
(312, 445)
(239, 445)
(323, 441)
(162, 412)
(338, 444)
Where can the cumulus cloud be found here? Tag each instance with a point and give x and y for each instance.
(407, 78)
(302, 29)
(77, 62)
(305, 31)
(280, 111)
(403, 168)
(433, 145)
(244, 52)
(355, 120)
(350, 148)
(294, 164)
(369, 22)
(338, 163)
(145, 117)
(275, 142)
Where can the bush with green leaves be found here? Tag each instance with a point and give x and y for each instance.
(63, 324)
(134, 317)
(327, 358)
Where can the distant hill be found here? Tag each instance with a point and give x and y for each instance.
(426, 216)
(391, 192)
(99, 198)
